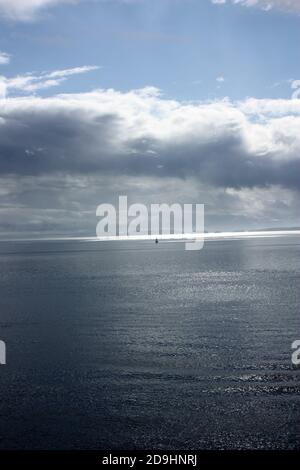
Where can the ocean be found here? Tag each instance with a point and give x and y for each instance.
(132, 345)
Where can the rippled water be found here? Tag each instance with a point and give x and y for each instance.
(135, 345)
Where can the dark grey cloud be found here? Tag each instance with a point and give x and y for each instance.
(62, 156)
(141, 134)
(57, 205)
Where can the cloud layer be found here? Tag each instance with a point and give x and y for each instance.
(61, 156)
(255, 143)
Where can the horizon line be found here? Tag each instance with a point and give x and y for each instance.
(172, 237)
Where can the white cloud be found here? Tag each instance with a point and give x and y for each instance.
(31, 83)
(25, 10)
(295, 85)
(2, 88)
(284, 5)
(268, 108)
(220, 79)
(4, 58)
(73, 71)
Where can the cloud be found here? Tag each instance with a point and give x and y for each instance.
(60, 205)
(63, 155)
(31, 83)
(295, 85)
(255, 143)
(4, 58)
(26, 10)
(284, 5)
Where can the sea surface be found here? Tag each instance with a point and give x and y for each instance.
(132, 345)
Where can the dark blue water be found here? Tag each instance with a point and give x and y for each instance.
(137, 345)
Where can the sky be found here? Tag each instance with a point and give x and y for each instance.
(189, 101)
